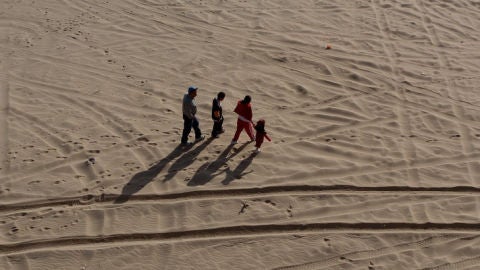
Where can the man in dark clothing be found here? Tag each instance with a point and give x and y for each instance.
(189, 109)
(217, 115)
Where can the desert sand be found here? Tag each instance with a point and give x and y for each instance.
(374, 161)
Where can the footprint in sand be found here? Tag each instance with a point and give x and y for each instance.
(143, 139)
(289, 211)
(270, 202)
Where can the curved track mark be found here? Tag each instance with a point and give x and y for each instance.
(463, 264)
(4, 108)
(371, 254)
(246, 192)
(240, 232)
(458, 110)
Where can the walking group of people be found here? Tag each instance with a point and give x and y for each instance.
(244, 122)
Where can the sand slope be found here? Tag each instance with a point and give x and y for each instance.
(374, 162)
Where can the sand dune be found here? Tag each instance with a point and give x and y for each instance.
(373, 163)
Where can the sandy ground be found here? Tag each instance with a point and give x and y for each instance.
(373, 164)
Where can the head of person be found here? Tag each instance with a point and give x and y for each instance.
(246, 100)
(260, 126)
(192, 91)
(221, 96)
(261, 123)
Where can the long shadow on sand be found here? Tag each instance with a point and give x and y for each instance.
(209, 170)
(239, 171)
(186, 160)
(141, 179)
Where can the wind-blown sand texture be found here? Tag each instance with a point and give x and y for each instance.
(374, 162)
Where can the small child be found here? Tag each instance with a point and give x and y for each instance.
(260, 134)
(217, 115)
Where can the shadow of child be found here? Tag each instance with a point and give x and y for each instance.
(239, 171)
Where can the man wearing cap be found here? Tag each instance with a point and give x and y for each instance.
(189, 109)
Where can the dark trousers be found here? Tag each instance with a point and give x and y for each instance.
(217, 127)
(187, 127)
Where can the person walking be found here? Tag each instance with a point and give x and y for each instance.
(189, 109)
(244, 111)
(217, 115)
(260, 134)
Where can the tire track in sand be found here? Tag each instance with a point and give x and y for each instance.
(115, 126)
(409, 151)
(470, 263)
(458, 110)
(308, 207)
(90, 199)
(4, 107)
(232, 232)
(372, 254)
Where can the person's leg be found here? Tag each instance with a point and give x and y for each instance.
(215, 129)
(187, 127)
(196, 128)
(239, 129)
(258, 141)
(220, 126)
(259, 137)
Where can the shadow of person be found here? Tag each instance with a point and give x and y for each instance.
(186, 160)
(209, 170)
(141, 179)
(238, 172)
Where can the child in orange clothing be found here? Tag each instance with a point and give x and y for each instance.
(260, 134)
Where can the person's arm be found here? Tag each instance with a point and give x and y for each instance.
(189, 108)
(237, 109)
(268, 138)
(194, 109)
(249, 113)
(216, 110)
(244, 119)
